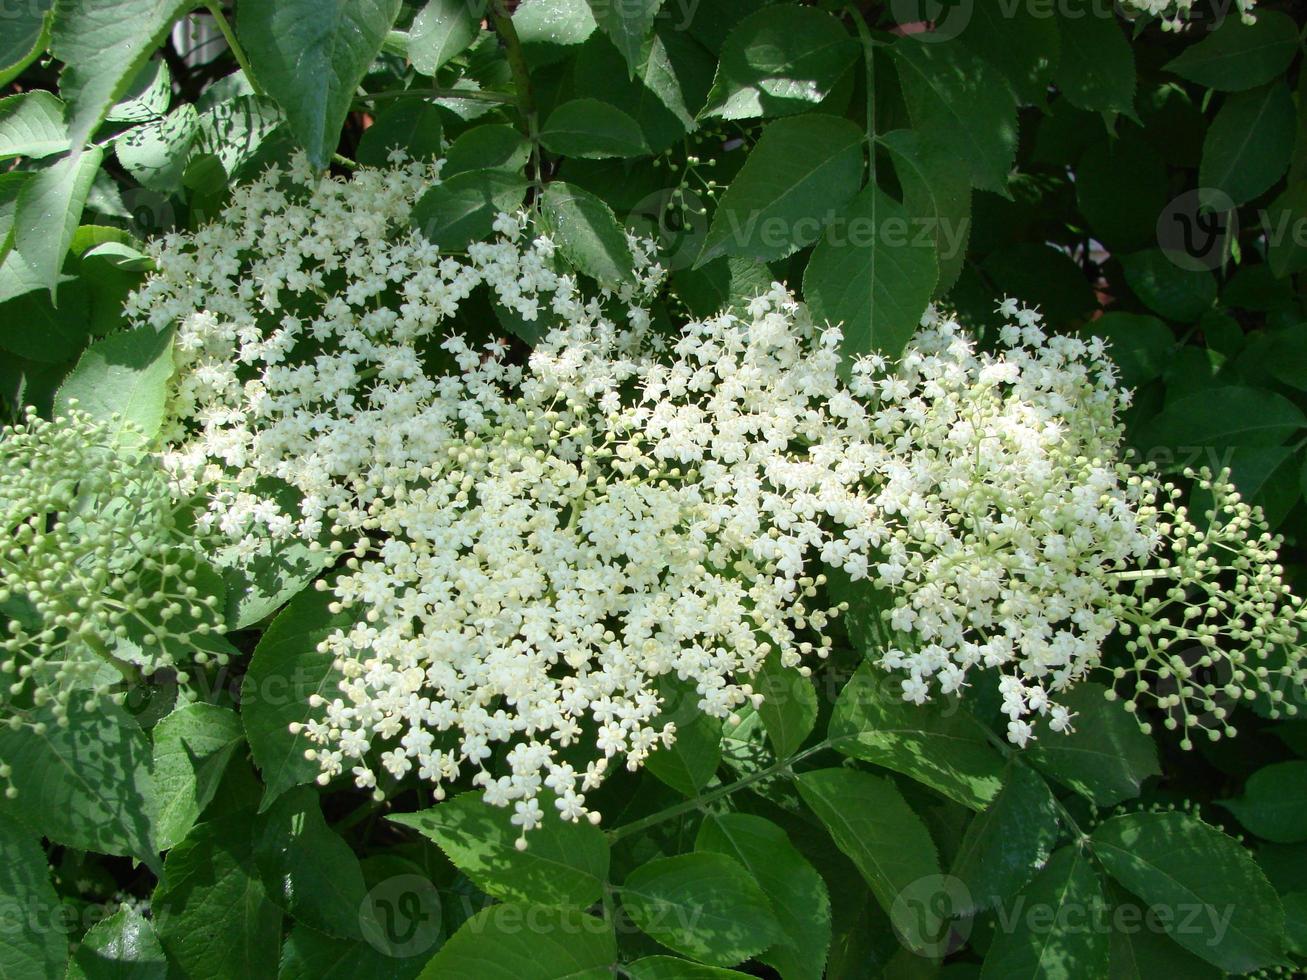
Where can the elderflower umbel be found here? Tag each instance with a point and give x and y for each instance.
(1174, 13)
(98, 583)
(535, 547)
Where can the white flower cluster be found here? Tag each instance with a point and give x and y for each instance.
(1175, 13)
(99, 583)
(535, 545)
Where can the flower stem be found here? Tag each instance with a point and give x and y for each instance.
(215, 10)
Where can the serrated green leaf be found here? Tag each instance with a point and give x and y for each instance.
(1249, 143)
(1096, 67)
(690, 761)
(1166, 288)
(779, 60)
(1238, 56)
(627, 26)
(1273, 804)
(24, 34)
(310, 57)
(1066, 946)
(103, 46)
(789, 707)
(1007, 842)
(307, 869)
(1222, 417)
(493, 146)
(873, 273)
(1021, 41)
(442, 30)
(286, 670)
(704, 905)
(463, 209)
(88, 784)
(563, 864)
(944, 748)
(873, 825)
(49, 209)
(1106, 758)
(210, 910)
(32, 944)
(524, 942)
(156, 153)
(672, 968)
(937, 196)
(411, 125)
(1230, 914)
(795, 890)
(590, 129)
(1139, 951)
(798, 178)
(31, 326)
(32, 125)
(548, 29)
(961, 108)
(1139, 345)
(311, 955)
(124, 377)
(147, 97)
(192, 746)
(121, 947)
(587, 233)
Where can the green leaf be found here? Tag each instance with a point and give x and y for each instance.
(493, 146)
(1223, 417)
(524, 942)
(1096, 69)
(1139, 345)
(307, 869)
(1274, 802)
(210, 910)
(940, 746)
(627, 26)
(780, 60)
(1285, 225)
(124, 376)
(937, 196)
(122, 947)
(30, 325)
(1249, 143)
(1238, 56)
(86, 785)
(1225, 911)
(564, 863)
(873, 272)
(591, 129)
(722, 284)
(1121, 188)
(412, 125)
(103, 46)
(587, 233)
(156, 153)
(32, 125)
(549, 28)
(690, 761)
(310, 57)
(870, 822)
(49, 209)
(795, 890)
(1007, 842)
(961, 108)
(235, 130)
(1106, 758)
(1295, 920)
(1021, 41)
(672, 968)
(1286, 356)
(1166, 288)
(703, 905)
(798, 178)
(286, 670)
(441, 30)
(1063, 945)
(311, 955)
(24, 34)
(789, 707)
(1139, 951)
(463, 209)
(192, 746)
(32, 944)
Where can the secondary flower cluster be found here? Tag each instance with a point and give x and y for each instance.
(98, 582)
(1175, 13)
(535, 545)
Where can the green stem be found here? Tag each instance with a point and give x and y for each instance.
(215, 10)
(869, 61)
(779, 768)
(521, 82)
